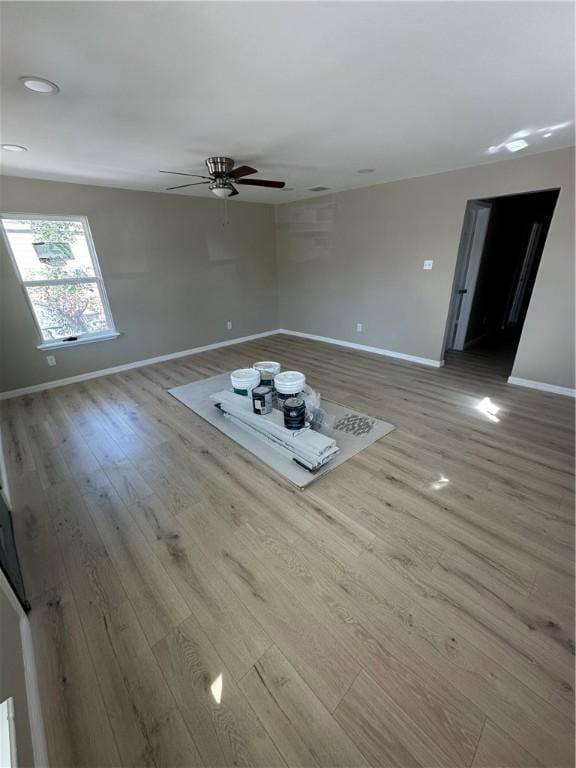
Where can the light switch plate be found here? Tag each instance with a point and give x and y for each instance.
(229, 325)
(358, 327)
(428, 264)
(50, 359)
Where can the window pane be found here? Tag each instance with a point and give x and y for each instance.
(49, 249)
(68, 310)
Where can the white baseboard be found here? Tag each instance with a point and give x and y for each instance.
(217, 345)
(364, 348)
(129, 366)
(542, 386)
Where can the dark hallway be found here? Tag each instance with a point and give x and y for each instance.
(494, 294)
(491, 356)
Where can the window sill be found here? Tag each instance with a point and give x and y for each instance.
(87, 340)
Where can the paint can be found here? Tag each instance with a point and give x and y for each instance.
(262, 400)
(268, 369)
(244, 380)
(294, 413)
(289, 384)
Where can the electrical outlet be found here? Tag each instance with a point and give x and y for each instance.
(229, 325)
(428, 264)
(358, 327)
(51, 360)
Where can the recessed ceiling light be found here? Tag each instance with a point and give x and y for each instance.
(14, 148)
(547, 135)
(39, 85)
(515, 146)
(365, 170)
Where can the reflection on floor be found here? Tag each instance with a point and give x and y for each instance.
(414, 607)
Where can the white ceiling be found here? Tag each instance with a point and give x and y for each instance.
(306, 92)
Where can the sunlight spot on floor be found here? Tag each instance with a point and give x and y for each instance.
(216, 689)
(442, 482)
(488, 408)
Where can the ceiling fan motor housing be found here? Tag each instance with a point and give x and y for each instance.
(219, 167)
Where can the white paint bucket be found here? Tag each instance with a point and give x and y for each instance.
(268, 369)
(289, 384)
(244, 380)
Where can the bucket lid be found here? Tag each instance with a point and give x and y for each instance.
(289, 382)
(245, 374)
(267, 365)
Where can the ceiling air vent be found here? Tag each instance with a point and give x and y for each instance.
(318, 189)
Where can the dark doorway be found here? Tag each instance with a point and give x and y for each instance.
(500, 251)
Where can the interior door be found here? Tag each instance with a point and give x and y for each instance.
(471, 256)
(527, 264)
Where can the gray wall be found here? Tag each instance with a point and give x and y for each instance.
(174, 272)
(357, 256)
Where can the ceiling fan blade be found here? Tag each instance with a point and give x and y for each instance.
(181, 186)
(180, 173)
(234, 192)
(242, 170)
(262, 183)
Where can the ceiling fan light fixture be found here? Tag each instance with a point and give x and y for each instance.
(221, 189)
(224, 177)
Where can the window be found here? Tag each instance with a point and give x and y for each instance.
(58, 268)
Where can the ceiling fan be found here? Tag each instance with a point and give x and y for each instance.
(222, 174)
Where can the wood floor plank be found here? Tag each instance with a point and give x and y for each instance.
(87, 564)
(320, 656)
(224, 726)
(382, 732)
(69, 686)
(453, 719)
(302, 728)
(17, 450)
(152, 592)
(38, 548)
(50, 463)
(128, 482)
(148, 728)
(236, 635)
(496, 750)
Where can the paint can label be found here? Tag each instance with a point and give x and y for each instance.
(294, 413)
(262, 400)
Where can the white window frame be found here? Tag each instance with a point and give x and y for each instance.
(85, 338)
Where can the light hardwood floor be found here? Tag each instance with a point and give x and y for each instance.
(412, 608)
